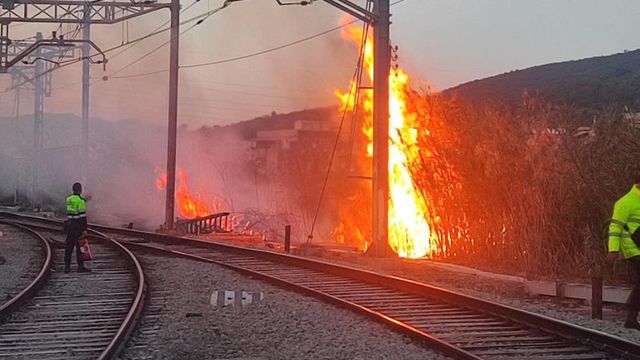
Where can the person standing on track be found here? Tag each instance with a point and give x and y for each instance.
(76, 225)
(624, 234)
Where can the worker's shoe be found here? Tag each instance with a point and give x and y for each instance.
(84, 270)
(632, 324)
(67, 269)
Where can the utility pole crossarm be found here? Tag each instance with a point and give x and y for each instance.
(49, 42)
(72, 11)
(354, 10)
(26, 52)
(18, 47)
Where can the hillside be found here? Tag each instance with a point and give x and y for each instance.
(247, 129)
(592, 83)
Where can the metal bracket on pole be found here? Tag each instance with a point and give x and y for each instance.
(50, 42)
(354, 10)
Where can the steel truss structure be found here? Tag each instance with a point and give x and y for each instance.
(72, 11)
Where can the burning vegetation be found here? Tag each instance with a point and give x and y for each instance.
(189, 205)
(411, 220)
(511, 187)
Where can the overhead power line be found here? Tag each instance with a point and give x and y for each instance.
(296, 42)
(353, 93)
(242, 57)
(202, 17)
(198, 18)
(247, 56)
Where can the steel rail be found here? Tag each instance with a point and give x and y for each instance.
(572, 334)
(137, 302)
(121, 336)
(410, 330)
(29, 290)
(587, 337)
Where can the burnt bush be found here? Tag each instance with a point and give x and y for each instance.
(526, 189)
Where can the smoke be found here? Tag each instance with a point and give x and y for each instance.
(122, 159)
(297, 77)
(129, 114)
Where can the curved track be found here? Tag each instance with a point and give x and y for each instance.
(40, 277)
(77, 315)
(461, 326)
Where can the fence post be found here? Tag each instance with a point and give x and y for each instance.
(287, 238)
(560, 290)
(596, 294)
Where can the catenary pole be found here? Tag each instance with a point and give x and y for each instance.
(173, 114)
(38, 118)
(86, 35)
(381, 66)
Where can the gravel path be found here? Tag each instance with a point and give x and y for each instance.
(181, 323)
(504, 292)
(21, 259)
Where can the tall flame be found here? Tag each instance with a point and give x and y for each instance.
(189, 205)
(409, 231)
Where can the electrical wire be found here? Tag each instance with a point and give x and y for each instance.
(155, 49)
(154, 33)
(250, 55)
(242, 57)
(127, 48)
(354, 80)
(296, 42)
(354, 116)
(202, 16)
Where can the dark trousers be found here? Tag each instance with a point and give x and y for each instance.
(634, 298)
(72, 241)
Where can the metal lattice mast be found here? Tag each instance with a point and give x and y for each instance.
(26, 74)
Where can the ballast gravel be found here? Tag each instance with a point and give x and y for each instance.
(21, 259)
(183, 324)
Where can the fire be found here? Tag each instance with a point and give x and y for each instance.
(189, 205)
(409, 229)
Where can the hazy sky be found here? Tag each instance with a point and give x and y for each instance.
(441, 42)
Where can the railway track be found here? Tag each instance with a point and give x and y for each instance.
(75, 315)
(38, 275)
(460, 326)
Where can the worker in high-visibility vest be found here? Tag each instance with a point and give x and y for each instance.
(624, 223)
(76, 225)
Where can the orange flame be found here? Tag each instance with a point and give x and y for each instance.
(189, 205)
(409, 231)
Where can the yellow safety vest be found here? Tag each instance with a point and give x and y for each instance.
(76, 207)
(625, 221)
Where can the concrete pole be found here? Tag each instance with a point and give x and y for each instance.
(15, 136)
(86, 51)
(38, 118)
(173, 114)
(381, 69)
